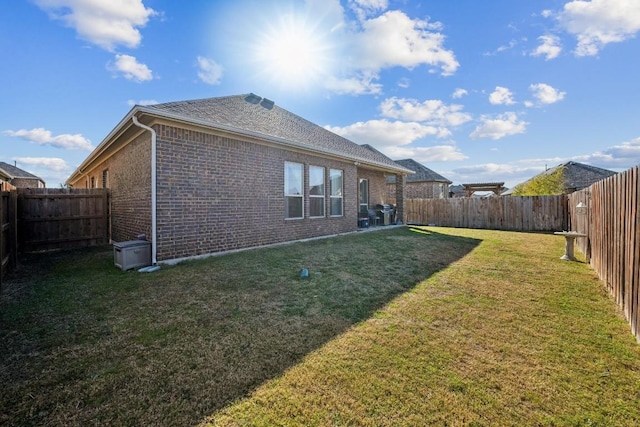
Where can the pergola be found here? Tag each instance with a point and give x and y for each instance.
(496, 187)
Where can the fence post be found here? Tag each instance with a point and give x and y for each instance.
(13, 228)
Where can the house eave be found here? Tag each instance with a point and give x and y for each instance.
(141, 111)
(124, 124)
(274, 140)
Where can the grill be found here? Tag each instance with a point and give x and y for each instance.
(387, 213)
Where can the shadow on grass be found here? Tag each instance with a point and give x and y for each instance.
(83, 342)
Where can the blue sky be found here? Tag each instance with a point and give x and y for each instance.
(479, 91)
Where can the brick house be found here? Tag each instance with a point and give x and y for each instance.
(19, 178)
(423, 184)
(230, 173)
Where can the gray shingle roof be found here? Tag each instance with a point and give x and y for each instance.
(254, 114)
(422, 173)
(578, 175)
(15, 172)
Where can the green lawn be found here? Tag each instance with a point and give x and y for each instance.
(404, 326)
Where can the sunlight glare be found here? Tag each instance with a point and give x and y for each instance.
(293, 53)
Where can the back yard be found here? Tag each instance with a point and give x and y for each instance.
(404, 326)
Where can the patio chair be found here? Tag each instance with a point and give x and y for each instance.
(374, 219)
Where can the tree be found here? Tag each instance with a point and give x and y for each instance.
(545, 184)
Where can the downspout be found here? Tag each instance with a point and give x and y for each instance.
(154, 246)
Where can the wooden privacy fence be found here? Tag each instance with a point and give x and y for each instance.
(42, 219)
(8, 238)
(612, 222)
(62, 218)
(526, 213)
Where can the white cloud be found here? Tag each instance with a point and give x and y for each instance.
(349, 54)
(357, 85)
(431, 111)
(459, 93)
(503, 125)
(106, 23)
(384, 133)
(549, 47)
(597, 23)
(209, 71)
(404, 83)
(503, 48)
(50, 163)
(393, 39)
(501, 96)
(42, 136)
(546, 94)
(364, 8)
(131, 69)
(625, 156)
(132, 102)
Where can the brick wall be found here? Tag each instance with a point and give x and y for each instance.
(26, 183)
(216, 193)
(130, 184)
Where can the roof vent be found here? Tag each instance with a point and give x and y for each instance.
(252, 98)
(267, 103)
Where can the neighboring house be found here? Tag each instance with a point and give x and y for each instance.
(18, 177)
(423, 184)
(563, 179)
(456, 191)
(231, 172)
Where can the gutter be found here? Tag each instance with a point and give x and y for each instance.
(154, 175)
(270, 138)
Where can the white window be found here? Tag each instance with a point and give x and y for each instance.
(293, 196)
(335, 191)
(316, 192)
(364, 195)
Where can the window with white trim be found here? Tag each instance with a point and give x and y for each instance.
(335, 192)
(293, 195)
(364, 195)
(316, 192)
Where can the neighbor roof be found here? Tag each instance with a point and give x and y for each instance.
(576, 175)
(254, 114)
(13, 172)
(422, 173)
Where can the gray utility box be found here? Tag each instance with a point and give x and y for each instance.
(132, 254)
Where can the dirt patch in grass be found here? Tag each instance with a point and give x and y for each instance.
(83, 343)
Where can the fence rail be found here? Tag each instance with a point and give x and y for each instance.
(612, 223)
(539, 213)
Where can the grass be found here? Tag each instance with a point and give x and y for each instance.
(406, 326)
